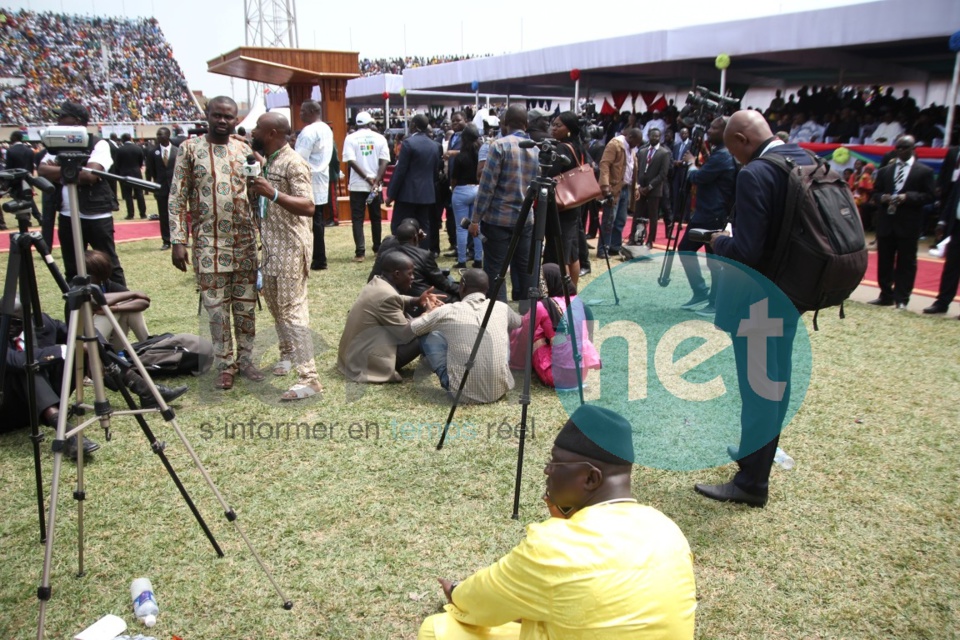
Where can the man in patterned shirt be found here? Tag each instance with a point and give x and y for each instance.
(208, 183)
(283, 198)
(508, 172)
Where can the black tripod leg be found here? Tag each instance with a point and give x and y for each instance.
(158, 448)
(570, 324)
(606, 256)
(511, 250)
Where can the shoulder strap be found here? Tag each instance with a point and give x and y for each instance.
(794, 193)
(574, 152)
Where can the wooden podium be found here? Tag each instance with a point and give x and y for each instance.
(298, 70)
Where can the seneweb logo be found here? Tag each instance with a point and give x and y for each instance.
(685, 381)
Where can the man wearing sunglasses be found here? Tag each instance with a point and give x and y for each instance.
(602, 566)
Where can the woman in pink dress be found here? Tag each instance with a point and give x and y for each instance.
(552, 349)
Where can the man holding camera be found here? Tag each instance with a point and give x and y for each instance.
(765, 385)
(715, 188)
(96, 201)
(208, 186)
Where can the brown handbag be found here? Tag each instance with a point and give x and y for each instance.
(577, 186)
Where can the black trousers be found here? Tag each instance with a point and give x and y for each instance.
(163, 210)
(764, 409)
(648, 208)
(422, 213)
(16, 405)
(319, 259)
(896, 266)
(129, 193)
(950, 278)
(97, 234)
(358, 208)
(691, 266)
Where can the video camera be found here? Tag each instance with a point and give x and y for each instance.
(703, 106)
(16, 183)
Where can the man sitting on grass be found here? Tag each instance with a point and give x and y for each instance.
(602, 566)
(377, 340)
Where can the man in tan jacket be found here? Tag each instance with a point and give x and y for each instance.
(616, 174)
(377, 340)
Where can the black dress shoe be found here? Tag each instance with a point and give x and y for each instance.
(89, 446)
(901, 306)
(318, 267)
(729, 492)
(147, 401)
(129, 218)
(881, 302)
(153, 216)
(936, 308)
(165, 247)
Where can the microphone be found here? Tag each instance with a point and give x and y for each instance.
(527, 144)
(252, 168)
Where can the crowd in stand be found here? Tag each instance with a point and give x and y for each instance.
(855, 115)
(57, 53)
(375, 67)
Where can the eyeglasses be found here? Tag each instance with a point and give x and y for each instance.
(550, 465)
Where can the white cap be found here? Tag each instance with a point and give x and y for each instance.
(364, 118)
(491, 120)
(149, 620)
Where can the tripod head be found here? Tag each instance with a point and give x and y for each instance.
(548, 154)
(16, 182)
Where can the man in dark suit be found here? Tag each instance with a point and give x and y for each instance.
(20, 156)
(949, 226)
(412, 183)
(901, 190)
(649, 180)
(130, 163)
(160, 162)
(761, 200)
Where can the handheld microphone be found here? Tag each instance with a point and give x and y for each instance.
(252, 168)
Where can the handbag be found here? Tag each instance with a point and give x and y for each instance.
(577, 186)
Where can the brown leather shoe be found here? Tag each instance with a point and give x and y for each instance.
(225, 381)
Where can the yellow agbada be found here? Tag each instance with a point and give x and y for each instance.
(613, 570)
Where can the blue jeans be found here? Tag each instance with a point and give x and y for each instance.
(463, 200)
(612, 223)
(434, 348)
(496, 241)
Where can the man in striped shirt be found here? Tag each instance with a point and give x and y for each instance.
(448, 333)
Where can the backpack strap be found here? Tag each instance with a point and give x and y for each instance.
(794, 191)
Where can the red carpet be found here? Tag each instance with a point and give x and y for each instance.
(125, 231)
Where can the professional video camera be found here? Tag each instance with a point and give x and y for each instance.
(703, 106)
(16, 184)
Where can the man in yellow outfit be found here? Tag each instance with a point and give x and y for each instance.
(602, 566)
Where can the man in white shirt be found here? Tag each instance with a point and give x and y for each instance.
(315, 145)
(888, 130)
(367, 153)
(96, 199)
(655, 122)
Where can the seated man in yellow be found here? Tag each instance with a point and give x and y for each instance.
(602, 566)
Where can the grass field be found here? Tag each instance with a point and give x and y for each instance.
(357, 517)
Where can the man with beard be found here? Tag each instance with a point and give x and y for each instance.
(602, 565)
(284, 198)
(208, 183)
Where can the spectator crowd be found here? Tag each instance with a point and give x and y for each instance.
(375, 67)
(57, 53)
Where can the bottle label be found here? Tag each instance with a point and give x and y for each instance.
(143, 597)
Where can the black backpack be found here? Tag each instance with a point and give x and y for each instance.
(178, 354)
(819, 255)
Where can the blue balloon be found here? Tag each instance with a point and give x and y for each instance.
(955, 42)
(474, 85)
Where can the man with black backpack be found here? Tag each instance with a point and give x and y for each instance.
(761, 203)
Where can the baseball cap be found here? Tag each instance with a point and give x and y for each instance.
(536, 113)
(364, 118)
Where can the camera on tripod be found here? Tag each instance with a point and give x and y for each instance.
(71, 147)
(16, 183)
(703, 106)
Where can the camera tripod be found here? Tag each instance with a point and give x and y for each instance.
(81, 297)
(680, 212)
(546, 224)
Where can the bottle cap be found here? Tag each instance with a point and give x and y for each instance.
(149, 620)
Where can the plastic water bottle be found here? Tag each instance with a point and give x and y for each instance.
(783, 459)
(144, 602)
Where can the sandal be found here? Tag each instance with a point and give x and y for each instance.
(282, 368)
(225, 381)
(301, 391)
(251, 373)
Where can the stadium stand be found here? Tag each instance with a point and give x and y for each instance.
(60, 56)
